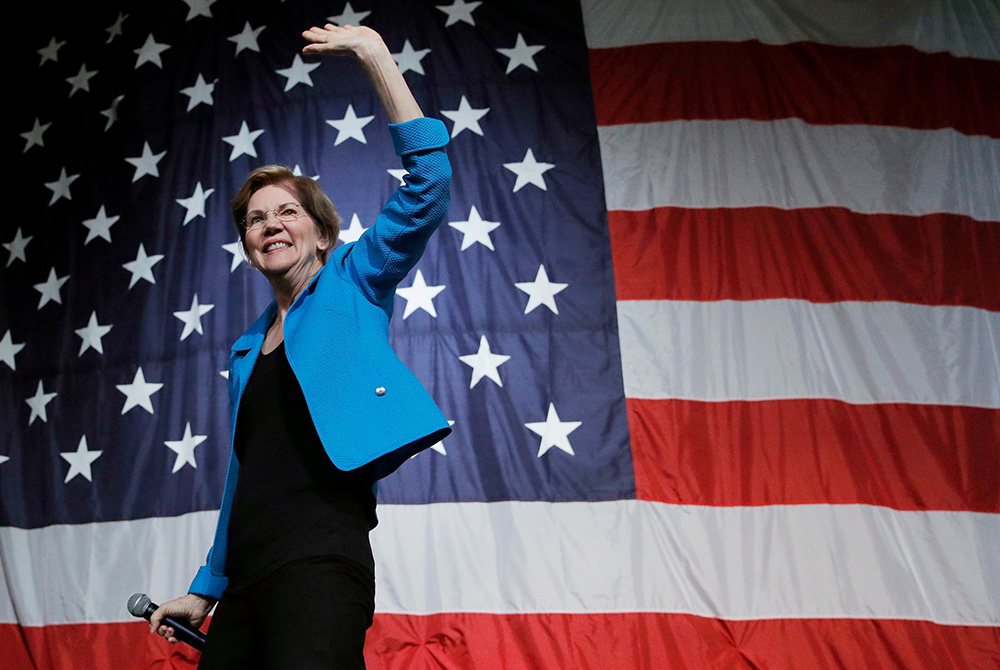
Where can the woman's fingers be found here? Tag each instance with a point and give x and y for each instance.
(316, 33)
(338, 40)
(168, 632)
(154, 619)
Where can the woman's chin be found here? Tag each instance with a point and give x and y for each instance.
(272, 270)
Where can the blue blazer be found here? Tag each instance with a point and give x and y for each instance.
(366, 405)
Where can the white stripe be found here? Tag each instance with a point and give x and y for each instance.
(960, 27)
(526, 557)
(858, 352)
(791, 164)
(86, 572)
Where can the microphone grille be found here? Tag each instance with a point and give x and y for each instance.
(137, 604)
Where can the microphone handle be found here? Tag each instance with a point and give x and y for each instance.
(185, 632)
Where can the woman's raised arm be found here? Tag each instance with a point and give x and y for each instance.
(367, 46)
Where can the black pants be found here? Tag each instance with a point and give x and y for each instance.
(311, 614)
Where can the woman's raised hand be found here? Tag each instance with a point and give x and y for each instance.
(341, 40)
(367, 47)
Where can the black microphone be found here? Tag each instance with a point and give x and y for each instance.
(139, 605)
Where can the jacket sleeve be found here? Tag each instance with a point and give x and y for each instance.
(388, 250)
(207, 584)
(211, 580)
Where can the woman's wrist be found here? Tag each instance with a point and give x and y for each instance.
(208, 601)
(372, 50)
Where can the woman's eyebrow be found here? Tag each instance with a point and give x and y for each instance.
(284, 204)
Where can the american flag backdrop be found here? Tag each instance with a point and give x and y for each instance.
(715, 313)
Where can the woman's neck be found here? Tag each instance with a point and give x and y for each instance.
(287, 287)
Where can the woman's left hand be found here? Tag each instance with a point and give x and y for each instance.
(341, 40)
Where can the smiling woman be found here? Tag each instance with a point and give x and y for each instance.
(303, 193)
(288, 248)
(315, 421)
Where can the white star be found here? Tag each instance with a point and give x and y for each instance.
(81, 80)
(150, 52)
(115, 29)
(139, 392)
(51, 51)
(9, 349)
(111, 113)
(201, 92)
(142, 266)
(184, 448)
(297, 171)
(243, 142)
(419, 296)
(475, 230)
(465, 117)
(484, 363)
(50, 288)
(247, 39)
(439, 446)
(91, 335)
(236, 249)
(459, 11)
(350, 127)
(298, 73)
(224, 373)
(195, 205)
(198, 8)
(529, 171)
(409, 58)
(353, 231)
(146, 163)
(554, 433)
(348, 17)
(399, 174)
(4, 459)
(100, 226)
(541, 291)
(60, 187)
(80, 460)
(34, 136)
(192, 317)
(16, 247)
(37, 404)
(521, 54)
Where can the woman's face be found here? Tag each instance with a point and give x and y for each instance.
(283, 247)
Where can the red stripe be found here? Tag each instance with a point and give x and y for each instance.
(638, 641)
(908, 457)
(110, 646)
(822, 255)
(819, 83)
(650, 641)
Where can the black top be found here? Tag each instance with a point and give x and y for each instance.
(291, 502)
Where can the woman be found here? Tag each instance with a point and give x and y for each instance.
(321, 406)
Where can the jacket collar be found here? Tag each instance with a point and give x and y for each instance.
(253, 337)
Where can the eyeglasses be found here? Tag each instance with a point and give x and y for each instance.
(286, 213)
